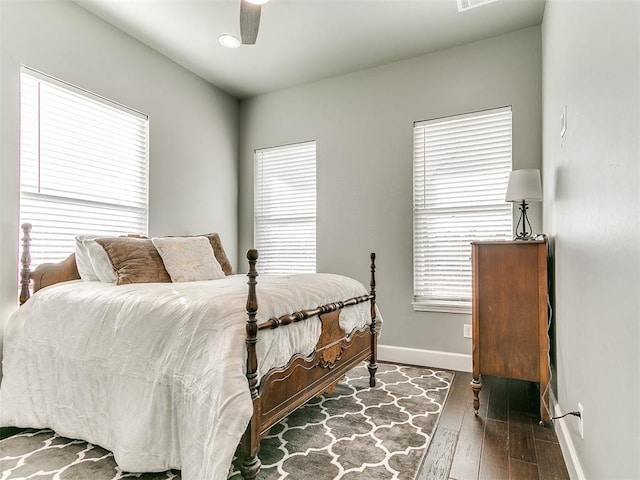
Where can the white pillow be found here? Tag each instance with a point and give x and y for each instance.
(83, 262)
(92, 260)
(188, 259)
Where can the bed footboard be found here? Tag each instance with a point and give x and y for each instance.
(285, 389)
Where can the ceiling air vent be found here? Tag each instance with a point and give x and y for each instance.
(469, 4)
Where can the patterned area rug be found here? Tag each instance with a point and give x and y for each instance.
(355, 432)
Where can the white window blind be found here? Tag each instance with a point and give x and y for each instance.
(285, 208)
(83, 165)
(461, 169)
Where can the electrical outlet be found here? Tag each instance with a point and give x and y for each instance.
(467, 331)
(581, 420)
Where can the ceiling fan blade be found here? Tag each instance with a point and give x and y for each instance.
(249, 22)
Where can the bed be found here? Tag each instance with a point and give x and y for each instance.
(154, 384)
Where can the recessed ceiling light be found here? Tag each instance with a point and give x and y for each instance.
(228, 41)
(258, 2)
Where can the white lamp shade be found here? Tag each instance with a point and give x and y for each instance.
(524, 185)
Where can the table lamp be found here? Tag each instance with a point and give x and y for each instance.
(524, 186)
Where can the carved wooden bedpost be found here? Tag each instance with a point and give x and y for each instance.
(25, 263)
(250, 443)
(373, 366)
(252, 326)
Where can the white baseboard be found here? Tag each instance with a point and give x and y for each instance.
(425, 358)
(566, 443)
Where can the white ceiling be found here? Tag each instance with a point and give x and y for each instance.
(301, 41)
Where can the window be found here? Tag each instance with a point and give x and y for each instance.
(83, 165)
(285, 208)
(461, 166)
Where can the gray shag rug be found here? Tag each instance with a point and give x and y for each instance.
(355, 432)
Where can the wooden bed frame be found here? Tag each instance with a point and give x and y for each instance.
(281, 390)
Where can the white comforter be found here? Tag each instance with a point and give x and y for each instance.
(155, 372)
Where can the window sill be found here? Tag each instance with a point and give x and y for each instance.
(442, 307)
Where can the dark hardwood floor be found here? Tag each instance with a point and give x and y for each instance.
(505, 440)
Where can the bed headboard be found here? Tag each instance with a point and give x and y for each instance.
(45, 274)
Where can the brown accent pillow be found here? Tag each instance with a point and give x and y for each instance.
(219, 252)
(135, 260)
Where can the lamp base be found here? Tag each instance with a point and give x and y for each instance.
(524, 234)
(524, 237)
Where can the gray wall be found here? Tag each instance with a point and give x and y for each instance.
(363, 124)
(591, 53)
(193, 125)
(592, 210)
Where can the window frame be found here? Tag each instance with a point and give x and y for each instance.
(278, 154)
(451, 303)
(40, 195)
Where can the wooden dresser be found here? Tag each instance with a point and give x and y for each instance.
(510, 314)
